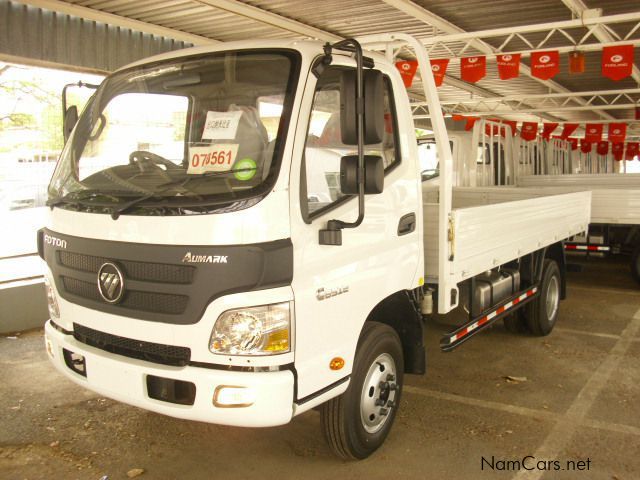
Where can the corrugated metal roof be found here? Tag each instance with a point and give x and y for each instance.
(38, 34)
(215, 19)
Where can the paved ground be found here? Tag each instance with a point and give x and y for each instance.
(579, 402)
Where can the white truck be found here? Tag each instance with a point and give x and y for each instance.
(196, 270)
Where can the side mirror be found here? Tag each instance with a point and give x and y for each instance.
(70, 120)
(373, 90)
(373, 174)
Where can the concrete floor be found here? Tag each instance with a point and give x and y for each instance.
(579, 402)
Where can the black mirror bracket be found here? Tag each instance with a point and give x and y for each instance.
(332, 235)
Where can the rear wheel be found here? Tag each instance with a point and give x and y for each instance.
(542, 313)
(516, 323)
(357, 422)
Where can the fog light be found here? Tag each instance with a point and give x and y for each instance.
(229, 396)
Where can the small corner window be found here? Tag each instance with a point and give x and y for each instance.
(324, 147)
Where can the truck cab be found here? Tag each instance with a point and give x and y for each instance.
(186, 273)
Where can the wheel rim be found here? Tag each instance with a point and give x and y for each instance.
(378, 393)
(553, 297)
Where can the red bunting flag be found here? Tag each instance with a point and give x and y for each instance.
(508, 65)
(407, 71)
(574, 143)
(529, 131)
(568, 129)
(513, 124)
(585, 147)
(633, 150)
(617, 61)
(439, 69)
(618, 150)
(545, 65)
(576, 62)
(593, 132)
(471, 121)
(603, 147)
(473, 69)
(547, 130)
(617, 132)
(492, 129)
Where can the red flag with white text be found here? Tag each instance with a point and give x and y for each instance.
(407, 71)
(529, 131)
(617, 132)
(593, 132)
(568, 129)
(545, 65)
(547, 130)
(633, 150)
(473, 69)
(603, 147)
(508, 65)
(617, 61)
(585, 147)
(617, 149)
(439, 68)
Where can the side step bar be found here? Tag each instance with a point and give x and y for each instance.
(586, 247)
(454, 339)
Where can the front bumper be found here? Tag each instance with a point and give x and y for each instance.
(125, 379)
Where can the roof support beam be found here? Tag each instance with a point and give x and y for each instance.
(416, 11)
(273, 19)
(117, 20)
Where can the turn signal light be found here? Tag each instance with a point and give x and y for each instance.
(336, 363)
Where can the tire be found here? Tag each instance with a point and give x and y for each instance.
(542, 313)
(635, 264)
(516, 323)
(354, 424)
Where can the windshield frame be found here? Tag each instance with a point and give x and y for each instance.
(230, 201)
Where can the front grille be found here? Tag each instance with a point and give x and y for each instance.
(146, 301)
(152, 352)
(143, 271)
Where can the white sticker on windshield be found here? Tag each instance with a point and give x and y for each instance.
(221, 125)
(212, 158)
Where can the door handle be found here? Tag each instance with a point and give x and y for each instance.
(407, 224)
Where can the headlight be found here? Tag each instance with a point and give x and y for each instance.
(263, 330)
(52, 303)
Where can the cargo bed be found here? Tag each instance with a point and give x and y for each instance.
(494, 225)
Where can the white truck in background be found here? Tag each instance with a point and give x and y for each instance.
(206, 276)
(491, 168)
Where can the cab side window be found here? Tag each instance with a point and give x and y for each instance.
(324, 147)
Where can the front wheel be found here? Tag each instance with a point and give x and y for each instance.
(357, 422)
(542, 313)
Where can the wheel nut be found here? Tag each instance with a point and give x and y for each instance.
(379, 402)
(384, 411)
(392, 387)
(391, 404)
(391, 377)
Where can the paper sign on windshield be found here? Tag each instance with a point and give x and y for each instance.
(212, 158)
(221, 125)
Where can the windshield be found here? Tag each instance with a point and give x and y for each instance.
(192, 135)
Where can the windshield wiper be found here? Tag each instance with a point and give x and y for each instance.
(77, 198)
